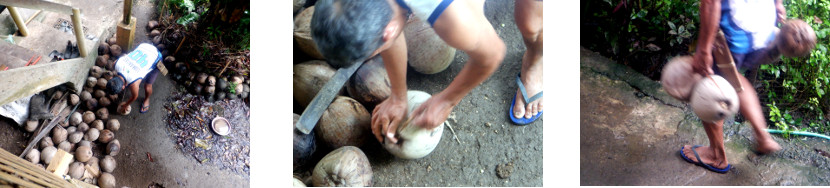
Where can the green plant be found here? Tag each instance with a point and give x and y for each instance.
(232, 87)
(188, 10)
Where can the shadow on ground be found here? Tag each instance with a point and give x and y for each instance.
(631, 131)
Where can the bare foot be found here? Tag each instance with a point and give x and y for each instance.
(707, 155)
(767, 146)
(532, 79)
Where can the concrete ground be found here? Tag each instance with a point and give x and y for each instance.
(487, 136)
(143, 135)
(631, 131)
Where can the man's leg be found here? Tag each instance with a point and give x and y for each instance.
(713, 155)
(751, 109)
(528, 14)
(148, 89)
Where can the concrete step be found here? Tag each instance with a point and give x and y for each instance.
(14, 56)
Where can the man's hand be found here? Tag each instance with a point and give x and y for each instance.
(782, 12)
(387, 116)
(432, 112)
(122, 108)
(702, 63)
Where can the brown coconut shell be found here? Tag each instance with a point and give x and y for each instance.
(101, 61)
(75, 119)
(111, 67)
(98, 124)
(113, 147)
(370, 84)
(106, 136)
(46, 142)
(427, 53)
(33, 156)
(91, 81)
(91, 103)
(304, 146)
(88, 117)
(76, 170)
(344, 123)
(102, 84)
(104, 102)
(154, 33)
(83, 127)
(65, 146)
(31, 126)
(298, 4)
(99, 93)
(112, 41)
(58, 94)
(678, 78)
(152, 24)
(115, 50)
(309, 78)
(211, 80)
(84, 143)
(59, 134)
(157, 40)
(161, 46)
(796, 38)
(113, 124)
(83, 153)
(201, 78)
(85, 95)
(108, 164)
(302, 33)
(92, 134)
(74, 99)
(47, 153)
(169, 59)
(103, 48)
(344, 167)
(103, 114)
(96, 71)
(106, 180)
(70, 130)
(76, 137)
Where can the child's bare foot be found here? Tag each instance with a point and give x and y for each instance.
(707, 155)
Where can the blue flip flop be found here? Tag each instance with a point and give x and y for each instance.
(144, 109)
(700, 162)
(522, 120)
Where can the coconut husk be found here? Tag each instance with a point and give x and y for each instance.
(106, 180)
(713, 99)
(678, 78)
(427, 53)
(103, 48)
(101, 61)
(154, 33)
(796, 38)
(344, 123)
(309, 78)
(304, 146)
(112, 41)
(302, 33)
(370, 84)
(115, 50)
(344, 167)
(152, 24)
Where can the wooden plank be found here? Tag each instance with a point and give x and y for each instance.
(38, 4)
(19, 168)
(81, 184)
(60, 163)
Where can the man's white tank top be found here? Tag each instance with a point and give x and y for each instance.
(138, 63)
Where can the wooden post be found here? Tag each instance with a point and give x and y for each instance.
(79, 31)
(21, 26)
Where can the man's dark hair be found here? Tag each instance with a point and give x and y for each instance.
(114, 85)
(349, 30)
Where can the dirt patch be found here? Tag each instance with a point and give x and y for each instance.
(504, 170)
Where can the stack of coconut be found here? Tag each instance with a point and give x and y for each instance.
(84, 133)
(213, 87)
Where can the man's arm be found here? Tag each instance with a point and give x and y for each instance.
(782, 12)
(710, 13)
(388, 114)
(134, 95)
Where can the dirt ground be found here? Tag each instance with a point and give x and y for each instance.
(481, 123)
(631, 132)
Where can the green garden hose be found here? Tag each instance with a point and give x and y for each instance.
(802, 133)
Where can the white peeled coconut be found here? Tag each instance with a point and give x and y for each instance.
(47, 154)
(298, 183)
(346, 166)
(427, 52)
(413, 141)
(678, 78)
(33, 156)
(714, 99)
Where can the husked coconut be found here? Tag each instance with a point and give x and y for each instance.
(112, 41)
(427, 52)
(103, 114)
(115, 50)
(83, 127)
(370, 84)
(344, 123)
(83, 153)
(96, 71)
(309, 78)
(92, 134)
(103, 48)
(211, 81)
(113, 124)
(102, 83)
(152, 24)
(98, 124)
(31, 126)
(297, 5)
(344, 167)
(796, 38)
(85, 143)
(76, 170)
(302, 33)
(99, 93)
(714, 99)
(59, 134)
(46, 142)
(65, 146)
(33, 156)
(75, 119)
(47, 154)
(106, 136)
(91, 82)
(108, 164)
(70, 130)
(106, 180)
(101, 61)
(85, 95)
(74, 99)
(88, 117)
(161, 46)
(113, 147)
(76, 137)
(104, 102)
(92, 103)
(157, 40)
(413, 141)
(201, 78)
(154, 33)
(209, 90)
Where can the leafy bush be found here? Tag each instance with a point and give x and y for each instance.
(798, 85)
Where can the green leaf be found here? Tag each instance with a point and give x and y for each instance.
(187, 19)
(671, 25)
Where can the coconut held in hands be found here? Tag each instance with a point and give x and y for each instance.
(413, 141)
(714, 99)
(678, 78)
(344, 167)
(309, 78)
(344, 123)
(304, 145)
(370, 84)
(427, 53)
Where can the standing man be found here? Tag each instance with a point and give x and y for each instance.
(749, 27)
(527, 105)
(138, 66)
(349, 30)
